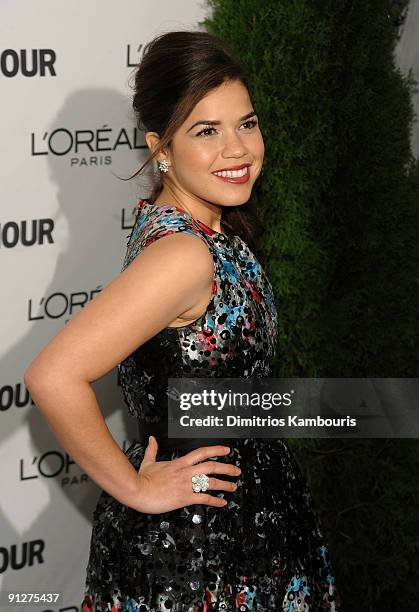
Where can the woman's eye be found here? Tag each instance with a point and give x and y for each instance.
(208, 129)
(251, 123)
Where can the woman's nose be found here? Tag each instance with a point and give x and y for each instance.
(233, 145)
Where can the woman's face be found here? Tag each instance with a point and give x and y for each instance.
(200, 149)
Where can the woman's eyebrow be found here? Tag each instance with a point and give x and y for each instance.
(213, 122)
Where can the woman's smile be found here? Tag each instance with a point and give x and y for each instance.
(239, 175)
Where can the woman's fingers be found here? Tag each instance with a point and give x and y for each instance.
(203, 452)
(154, 494)
(215, 467)
(221, 485)
(208, 500)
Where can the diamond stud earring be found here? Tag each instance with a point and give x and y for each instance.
(163, 165)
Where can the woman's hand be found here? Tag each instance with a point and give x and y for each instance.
(167, 485)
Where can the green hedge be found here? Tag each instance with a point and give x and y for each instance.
(340, 197)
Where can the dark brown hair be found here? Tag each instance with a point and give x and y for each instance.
(176, 71)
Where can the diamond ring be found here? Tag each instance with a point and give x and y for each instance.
(200, 482)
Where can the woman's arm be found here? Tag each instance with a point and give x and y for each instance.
(168, 278)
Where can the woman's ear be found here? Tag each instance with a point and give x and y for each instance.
(152, 139)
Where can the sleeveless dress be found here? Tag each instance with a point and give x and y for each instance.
(264, 550)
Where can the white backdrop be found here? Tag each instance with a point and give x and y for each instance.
(65, 130)
(66, 127)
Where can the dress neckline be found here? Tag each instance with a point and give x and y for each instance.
(208, 230)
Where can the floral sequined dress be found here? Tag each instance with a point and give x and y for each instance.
(264, 550)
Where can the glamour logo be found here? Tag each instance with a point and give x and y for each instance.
(82, 146)
(23, 554)
(133, 56)
(26, 233)
(14, 395)
(28, 62)
(59, 304)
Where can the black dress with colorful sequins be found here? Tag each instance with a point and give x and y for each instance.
(264, 550)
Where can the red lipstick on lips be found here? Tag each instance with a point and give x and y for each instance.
(237, 179)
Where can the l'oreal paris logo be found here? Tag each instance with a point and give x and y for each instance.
(63, 141)
(59, 304)
(133, 55)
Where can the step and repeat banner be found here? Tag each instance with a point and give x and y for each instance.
(67, 133)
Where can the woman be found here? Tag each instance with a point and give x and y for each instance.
(168, 534)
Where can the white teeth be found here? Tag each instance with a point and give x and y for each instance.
(232, 173)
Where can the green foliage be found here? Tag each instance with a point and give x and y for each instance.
(339, 195)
